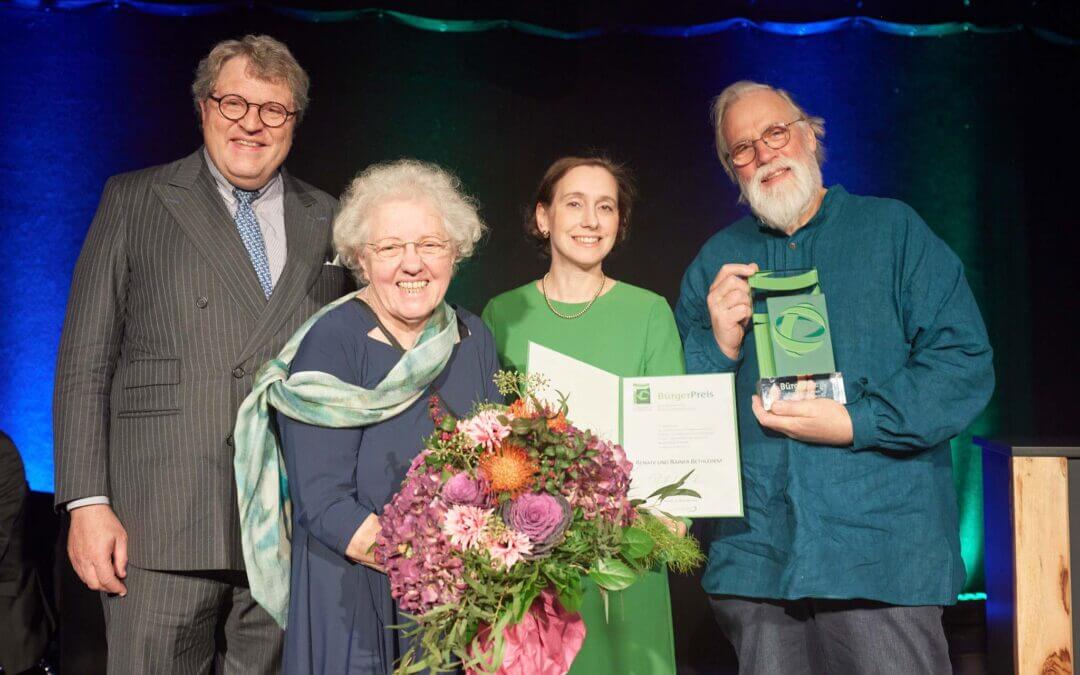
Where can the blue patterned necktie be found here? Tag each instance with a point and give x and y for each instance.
(252, 237)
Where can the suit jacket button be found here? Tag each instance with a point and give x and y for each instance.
(201, 302)
(228, 440)
(238, 372)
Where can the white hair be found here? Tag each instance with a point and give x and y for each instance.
(781, 208)
(408, 179)
(732, 93)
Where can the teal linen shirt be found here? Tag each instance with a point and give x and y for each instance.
(878, 519)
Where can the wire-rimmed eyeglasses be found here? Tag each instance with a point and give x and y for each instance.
(428, 248)
(775, 137)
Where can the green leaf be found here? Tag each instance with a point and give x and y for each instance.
(636, 543)
(521, 426)
(664, 490)
(522, 604)
(685, 492)
(518, 606)
(563, 407)
(612, 574)
(571, 598)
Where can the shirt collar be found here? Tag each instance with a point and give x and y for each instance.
(270, 190)
(829, 203)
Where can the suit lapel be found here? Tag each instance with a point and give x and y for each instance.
(305, 238)
(193, 200)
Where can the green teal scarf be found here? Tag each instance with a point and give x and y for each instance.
(262, 487)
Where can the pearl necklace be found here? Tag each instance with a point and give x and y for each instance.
(543, 289)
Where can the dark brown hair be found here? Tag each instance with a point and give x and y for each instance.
(545, 194)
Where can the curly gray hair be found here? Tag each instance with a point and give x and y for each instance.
(734, 92)
(408, 179)
(268, 59)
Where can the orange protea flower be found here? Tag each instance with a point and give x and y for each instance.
(557, 423)
(509, 468)
(520, 408)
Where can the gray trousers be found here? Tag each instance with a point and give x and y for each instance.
(832, 637)
(189, 623)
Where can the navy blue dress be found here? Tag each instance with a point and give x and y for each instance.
(340, 611)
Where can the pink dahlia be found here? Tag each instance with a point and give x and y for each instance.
(465, 525)
(508, 548)
(484, 429)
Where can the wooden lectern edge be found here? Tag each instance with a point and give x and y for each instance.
(1068, 448)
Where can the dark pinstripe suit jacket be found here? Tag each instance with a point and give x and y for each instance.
(166, 325)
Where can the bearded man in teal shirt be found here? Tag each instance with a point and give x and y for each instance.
(850, 543)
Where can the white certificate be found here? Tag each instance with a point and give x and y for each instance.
(672, 425)
(668, 426)
(593, 393)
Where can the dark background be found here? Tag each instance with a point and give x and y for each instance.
(975, 129)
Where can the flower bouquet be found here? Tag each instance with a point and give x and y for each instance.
(498, 520)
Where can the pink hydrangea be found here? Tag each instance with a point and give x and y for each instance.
(484, 429)
(465, 525)
(601, 486)
(419, 560)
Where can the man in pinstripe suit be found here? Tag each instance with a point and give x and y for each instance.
(193, 274)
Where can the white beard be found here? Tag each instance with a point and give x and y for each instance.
(780, 207)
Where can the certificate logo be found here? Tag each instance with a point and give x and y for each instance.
(642, 394)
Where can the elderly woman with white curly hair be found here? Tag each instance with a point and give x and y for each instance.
(402, 229)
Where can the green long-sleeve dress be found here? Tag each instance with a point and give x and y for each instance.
(631, 332)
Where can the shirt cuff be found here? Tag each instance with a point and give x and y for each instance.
(86, 501)
(701, 346)
(863, 425)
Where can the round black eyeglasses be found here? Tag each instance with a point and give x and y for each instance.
(234, 107)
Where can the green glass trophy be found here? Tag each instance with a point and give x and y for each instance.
(794, 346)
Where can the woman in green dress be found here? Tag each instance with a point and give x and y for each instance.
(582, 210)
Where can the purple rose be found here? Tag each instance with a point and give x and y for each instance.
(543, 518)
(464, 490)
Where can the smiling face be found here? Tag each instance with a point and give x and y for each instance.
(780, 184)
(405, 291)
(246, 152)
(582, 220)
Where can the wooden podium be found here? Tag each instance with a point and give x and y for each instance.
(1029, 592)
